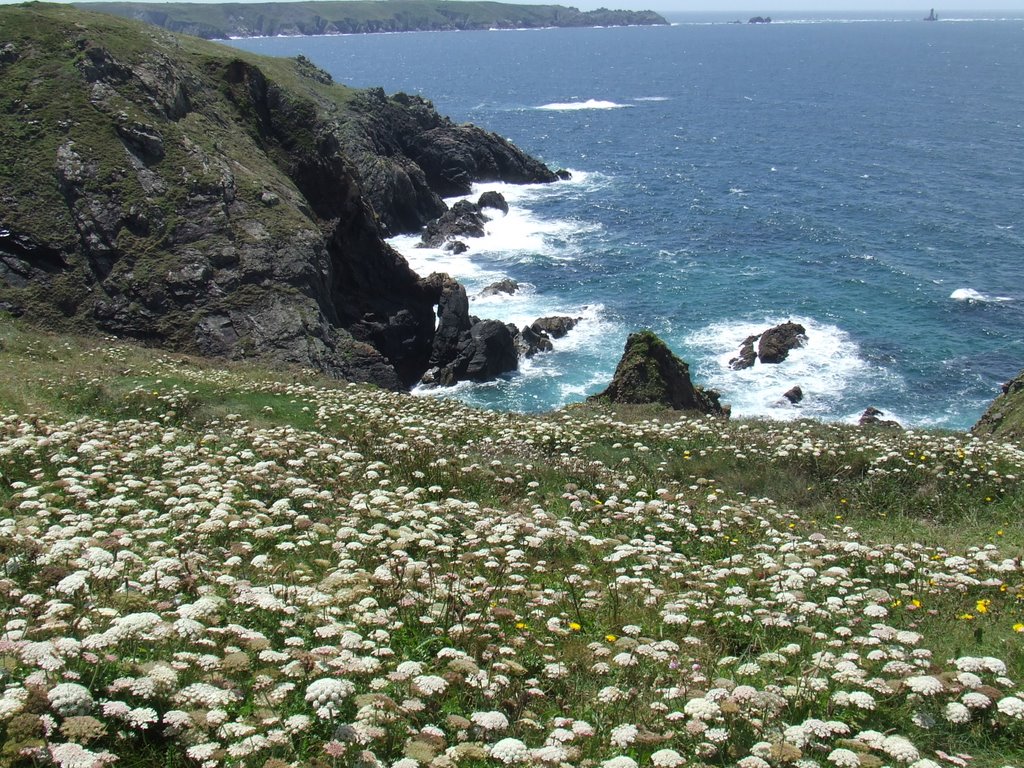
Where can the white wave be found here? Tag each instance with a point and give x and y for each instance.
(588, 104)
(971, 296)
(651, 98)
(510, 238)
(826, 369)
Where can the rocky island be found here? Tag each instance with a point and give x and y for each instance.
(335, 17)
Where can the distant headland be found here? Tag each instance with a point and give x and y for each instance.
(219, 21)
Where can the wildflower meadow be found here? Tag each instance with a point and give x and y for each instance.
(206, 565)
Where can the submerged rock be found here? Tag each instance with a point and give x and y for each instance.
(794, 395)
(650, 373)
(1004, 418)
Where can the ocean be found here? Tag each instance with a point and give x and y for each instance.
(863, 177)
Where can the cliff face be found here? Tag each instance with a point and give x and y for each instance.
(190, 195)
(333, 17)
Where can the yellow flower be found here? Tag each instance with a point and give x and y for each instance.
(982, 606)
(610, 638)
(520, 625)
(916, 603)
(1018, 627)
(574, 626)
(966, 616)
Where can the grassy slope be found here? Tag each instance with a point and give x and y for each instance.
(47, 85)
(523, 542)
(223, 20)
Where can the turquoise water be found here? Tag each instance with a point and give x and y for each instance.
(865, 179)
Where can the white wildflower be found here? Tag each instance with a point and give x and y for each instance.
(510, 751)
(623, 735)
(490, 721)
(68, 699)
(667, 758)
(1011, 706)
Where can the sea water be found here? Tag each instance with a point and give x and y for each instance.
(863, 177)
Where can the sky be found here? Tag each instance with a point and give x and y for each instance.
(900, 8)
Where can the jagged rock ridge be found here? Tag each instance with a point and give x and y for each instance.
(193, 196)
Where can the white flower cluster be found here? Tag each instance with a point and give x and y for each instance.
(327, 694)
(510, 751)
(68, 699)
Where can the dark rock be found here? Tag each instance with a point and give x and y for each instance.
(453, 156)
(776, 343)
(872, 417)
(8, 53)
(794, 395)
(462, 220)
(456, 247)
(747, 356)
(492, 200)
(452, 317)
(465, 348)
(556, 326)
(493, 351)
(760, 20)
(529, 342)
(1004, 418)
(506, 285)
(650, 373)
(563, 175)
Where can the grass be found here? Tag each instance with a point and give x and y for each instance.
(599, 568)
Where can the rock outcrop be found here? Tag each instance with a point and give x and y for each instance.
(650, 373)
(1004, 418)
(462, 220)
(209, 200)
(773, 345)
(504, 287)
(872, 417)
(465, 348)
(555, 326)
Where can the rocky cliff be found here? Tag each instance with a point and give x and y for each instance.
(1005, 417)
(190, 195)
(333, 17)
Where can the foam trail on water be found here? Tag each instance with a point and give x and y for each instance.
(566, 106)
(971, 296)
(828, 369)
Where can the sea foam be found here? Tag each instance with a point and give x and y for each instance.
(829, 368)
(565, 106)
(972, 296)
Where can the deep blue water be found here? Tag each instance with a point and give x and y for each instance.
(865, 179)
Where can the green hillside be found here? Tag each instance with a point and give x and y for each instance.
(223, 20)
